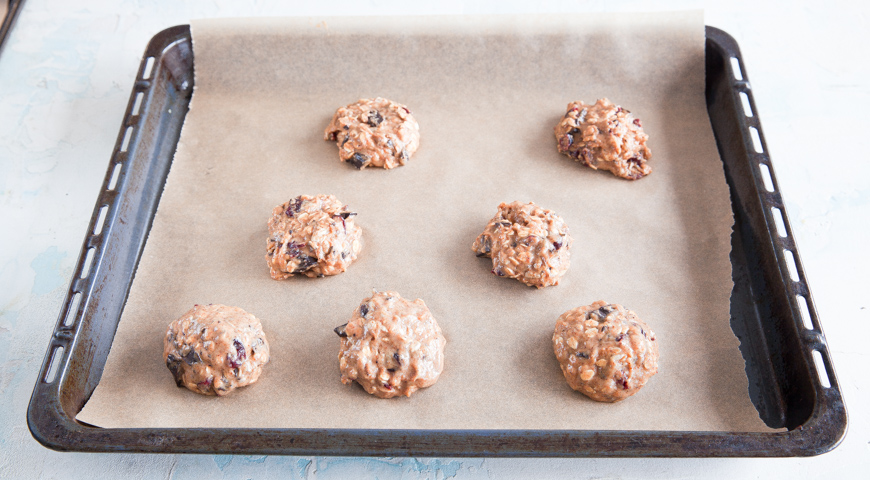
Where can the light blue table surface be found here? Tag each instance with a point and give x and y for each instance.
(66, 73)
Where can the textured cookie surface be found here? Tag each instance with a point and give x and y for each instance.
(604, 136)
(391, 346)
(312, 236)
(374, 133)
(526, 242)
(214, 349)
(606, 352)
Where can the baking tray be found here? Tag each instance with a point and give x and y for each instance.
(772, 311)
(8, 21)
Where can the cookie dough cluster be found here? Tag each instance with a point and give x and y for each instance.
(526, 242)
(214, 349)
(312, 236)
(391, 346)
(604, 136)
(374, 133)
(605, 351)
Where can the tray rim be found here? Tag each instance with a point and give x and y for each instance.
(51, 426)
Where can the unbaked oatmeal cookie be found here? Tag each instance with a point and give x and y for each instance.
(606, 352)
(374, 133)
(391, 346)
(526, 242)
(214, 349)
(312, 236)
(604, 136)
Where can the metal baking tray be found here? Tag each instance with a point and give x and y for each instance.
(772, 311)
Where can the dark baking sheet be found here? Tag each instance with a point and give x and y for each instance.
(766, 313)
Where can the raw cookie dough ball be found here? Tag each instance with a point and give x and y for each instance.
(391, 346)
(605, 136)
(526, 242)
(314, 236)
(605, 351)
(213, 349)
(374, 133)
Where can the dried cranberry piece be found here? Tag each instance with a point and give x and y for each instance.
(557, 245)
(406, 110)
(397, 358)
(565, 143)
(205, 383)
(343, 225)
(620, 337)
(375, 118)
(240, 357)
(497, 271)
(583, 355)
(388, 386)
(586, 156)
(363, 310)
(604, 311)
(625, 384)
(636, 121)
(294, 206)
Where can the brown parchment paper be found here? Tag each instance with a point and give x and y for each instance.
(487, 92)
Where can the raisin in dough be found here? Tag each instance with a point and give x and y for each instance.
(374, 133)
(605, 136)
(605, 351)
(526, 242)
(391, 346)
(314, 236)
(214, 349)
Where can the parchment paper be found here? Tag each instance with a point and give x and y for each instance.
(487, 92)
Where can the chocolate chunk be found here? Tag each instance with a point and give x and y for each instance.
(359, 160)
(397, 358)
(363, 310)
(375, 119)
(583, 355)
(346, 138)
(192, 357)
(486, 243)
(603, 312)
(173, 363)
(306, 262)
(340, 330)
